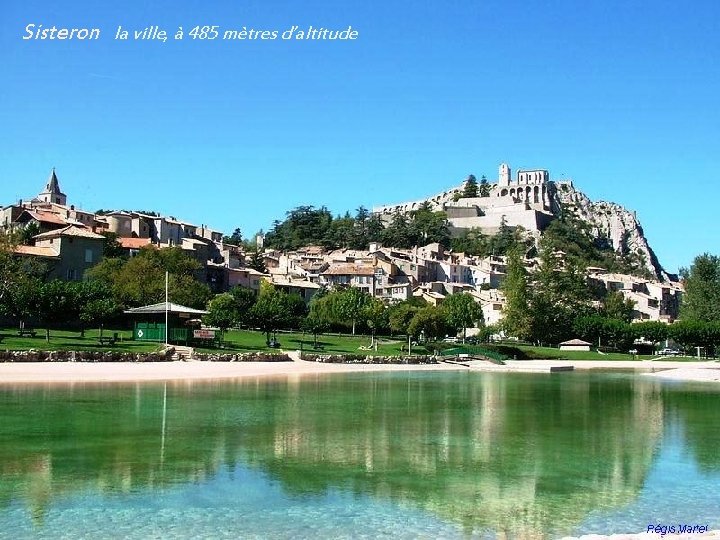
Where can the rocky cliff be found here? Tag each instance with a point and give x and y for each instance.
(609, 221)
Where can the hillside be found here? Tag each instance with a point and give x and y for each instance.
(610, 235)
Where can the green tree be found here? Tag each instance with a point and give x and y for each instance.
(616, 306)
(256, 262)
(429, 321)
(93, 303)
(654, 331)
(235, 239)
(701, 300)
(589, 327)
(244, 299)
(54, 300)
(461, 311)
(140, 280)
(400, 316)
(470, 190)
(397, 233)
(376, 318)
(20, 281)
(472, 242)
(427, 227)
(275, 309)
(349, 305)
(318, 319)
(111, 246)
(484, 187)
(222, 312)
(516, 313)
(29, 232)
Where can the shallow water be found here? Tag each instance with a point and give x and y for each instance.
(401, 455)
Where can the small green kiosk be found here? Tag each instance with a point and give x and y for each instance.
(150, 322)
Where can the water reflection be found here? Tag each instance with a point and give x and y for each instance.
(519, 455)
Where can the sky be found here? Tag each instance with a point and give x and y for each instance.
(621, 97)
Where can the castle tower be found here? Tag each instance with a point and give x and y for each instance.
(52, 193)
(504, 175)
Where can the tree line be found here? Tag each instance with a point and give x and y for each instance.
(349, 310)
(555, 302)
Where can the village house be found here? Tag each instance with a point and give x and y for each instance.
(344, 274)
(76, 249)
(301, 287)
(654, 301)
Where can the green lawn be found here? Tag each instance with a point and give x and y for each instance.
(251, 340)
(551, 353)
(64, 340)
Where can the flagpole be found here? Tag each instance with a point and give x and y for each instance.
(166, 307)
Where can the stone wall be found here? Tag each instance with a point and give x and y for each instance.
(363, 359)
(110, 356)
(243, 357)
(82, 356)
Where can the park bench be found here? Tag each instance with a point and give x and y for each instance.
(108, 340)
(26, 332)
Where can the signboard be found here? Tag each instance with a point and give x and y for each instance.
(204, 334)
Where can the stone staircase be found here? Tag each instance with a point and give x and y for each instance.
(182, 353)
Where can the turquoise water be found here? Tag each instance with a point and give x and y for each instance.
(402, 455)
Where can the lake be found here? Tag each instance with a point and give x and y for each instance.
(401, 455)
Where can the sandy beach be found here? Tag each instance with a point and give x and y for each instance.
(67, 372)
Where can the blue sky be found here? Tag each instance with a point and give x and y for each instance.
(620, 96)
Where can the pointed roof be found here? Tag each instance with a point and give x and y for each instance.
(169, 307)
(53, 185)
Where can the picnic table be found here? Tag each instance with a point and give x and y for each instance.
(26, 332)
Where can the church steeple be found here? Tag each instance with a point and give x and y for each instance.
(52, 193)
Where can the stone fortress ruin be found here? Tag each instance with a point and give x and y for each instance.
(525, 201)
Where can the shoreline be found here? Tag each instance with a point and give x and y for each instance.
(129, 372)
(124, 372)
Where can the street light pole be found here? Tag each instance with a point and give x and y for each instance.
(166, 306)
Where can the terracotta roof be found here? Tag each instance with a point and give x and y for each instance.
(349, 270)
(134, 243)
(35, 251)
(46, 217)
(71, 230)
(300, 283)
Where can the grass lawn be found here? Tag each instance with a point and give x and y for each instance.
(251, 340)
(550, 353)
(64, 340)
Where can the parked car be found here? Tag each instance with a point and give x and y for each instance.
(669, 352)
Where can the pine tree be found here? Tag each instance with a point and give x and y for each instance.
(471, 187)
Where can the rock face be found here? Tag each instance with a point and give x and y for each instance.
(607, 221)
(611, 221)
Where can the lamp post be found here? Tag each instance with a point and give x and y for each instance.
(166, 306)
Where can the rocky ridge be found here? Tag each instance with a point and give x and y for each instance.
(612, 221)
(607, 220)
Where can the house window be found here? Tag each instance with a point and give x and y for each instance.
(88, 256)
(70, 274)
